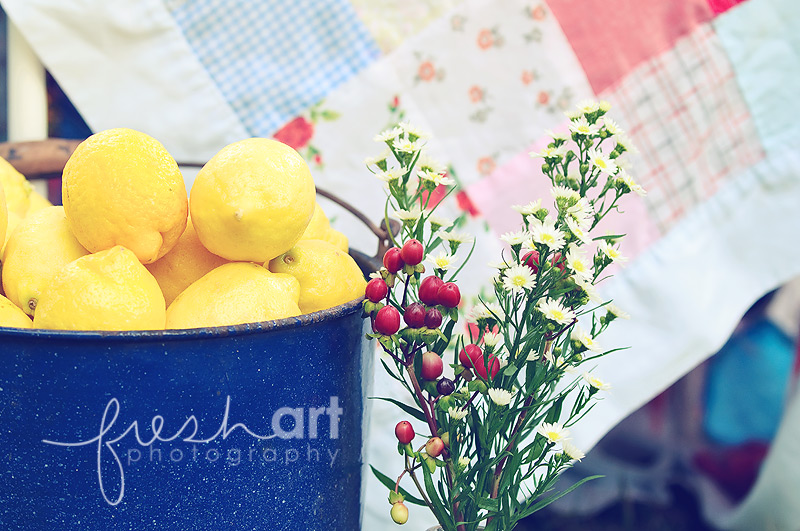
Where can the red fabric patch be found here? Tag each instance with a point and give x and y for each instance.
(466, 204)
(611, 37)
(720, 6)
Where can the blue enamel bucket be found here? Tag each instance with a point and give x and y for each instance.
(257, 426)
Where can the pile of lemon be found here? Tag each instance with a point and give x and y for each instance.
(129, 250)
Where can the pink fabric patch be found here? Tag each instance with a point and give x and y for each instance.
(720, 6)
(521, 181)
(611, 37)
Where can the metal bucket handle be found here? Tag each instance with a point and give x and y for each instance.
(45, 160)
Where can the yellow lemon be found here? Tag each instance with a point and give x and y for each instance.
(122, 187)
(107, 290)
(13, 221)
(328, 277)
(235, 293)
(37, 202)
(185, 263)
(252, 200)
(40, 247)
(16, 187)
(337, 239)
(319, 228)
(3, 214)
(11, 315)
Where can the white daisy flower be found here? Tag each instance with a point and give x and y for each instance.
(545, 153)
(579, 335)
(582, 126)
(567, 193)
(371, 161)
(555, 311)
(491, 340)
(626, 142)
(501, 397)
(452, 236)
(596, 382)
(611, 126)
(546, 233)
(529, 209)
(412, 130)
(573, 114)
(604, 106)
(407, 146)
(439, 222)
(582, 211)
(553, 432)
(578, 263)
(497, 264)
(388, 135)
(577, 230)
(442, 260)
(616, 311)
(390, 175)
(591, 291)
(426, 162)
(518, 278)
(602, 162)
(556, 136)
(463, 462)
(407, 215)
(630, 183)
(572, 451)
(515, 238)
(435, 178)
(456, 413)
(611, 251)
(588, 106)
(491, 310)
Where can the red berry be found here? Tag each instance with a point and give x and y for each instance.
(531, 259)
(469, 354)
(392, 260)
(376, 289)
(449, 295)
(387, 321)
(433, 318)
(558, 261)
(429, 290)
(414, 315)
(404, 432)
(480, 366)
(434, 447)
(412, 252)
(432, 366)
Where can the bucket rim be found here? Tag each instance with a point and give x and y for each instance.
(321, 316)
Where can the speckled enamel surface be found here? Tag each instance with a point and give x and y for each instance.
(184, 421)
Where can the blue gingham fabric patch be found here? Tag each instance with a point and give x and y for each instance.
(272, 59)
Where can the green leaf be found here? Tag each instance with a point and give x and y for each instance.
(389, 483)
(439, 510)
(489, 504)
(541, 504)
(419, 415)
(329, 115)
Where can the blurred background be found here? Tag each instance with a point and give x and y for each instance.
(701, 428)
